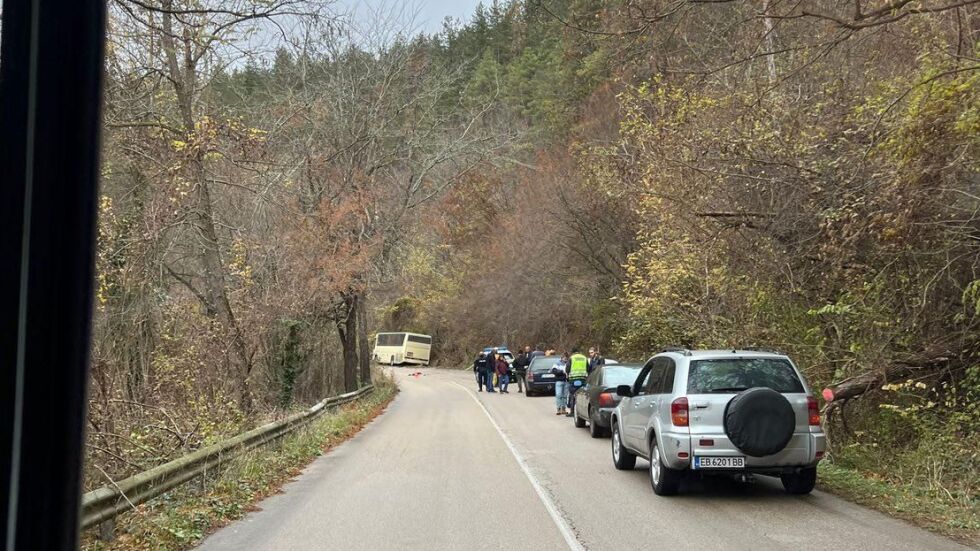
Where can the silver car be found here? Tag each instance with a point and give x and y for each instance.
(719, 411)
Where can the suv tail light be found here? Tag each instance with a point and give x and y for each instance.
(814, 411)
(678, 412)
(530, 377)
(607, 400)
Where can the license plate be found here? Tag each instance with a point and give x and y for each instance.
(548, 376)
(702, 462)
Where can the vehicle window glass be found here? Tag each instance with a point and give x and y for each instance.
(542, 363)
(653, 381)
(391, 339)
(644, 380)
(641, 379)
(420, 339)
(667, 381)
(731, 375)
(615, 376)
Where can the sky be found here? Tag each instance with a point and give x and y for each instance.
(427, 15)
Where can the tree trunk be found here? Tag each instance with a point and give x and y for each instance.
(347, 330)
(926, 363)
(214, 296)
(363, 346)
(770, 41)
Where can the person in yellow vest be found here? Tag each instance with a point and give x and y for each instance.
(578, 370)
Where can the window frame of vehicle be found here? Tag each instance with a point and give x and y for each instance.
(796, 382)
(653, 381)
(641, 378)
(594, 378)
(665, 381)
(418, 339)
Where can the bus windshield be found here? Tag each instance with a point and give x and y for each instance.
(391, 339)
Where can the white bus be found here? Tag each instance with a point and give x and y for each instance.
(402, 348)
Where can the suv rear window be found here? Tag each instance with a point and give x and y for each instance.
(731, 375)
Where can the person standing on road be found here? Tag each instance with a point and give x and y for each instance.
(503, 378)
(520, 368)
(561, 379)
(533, 353)
(480, 369)
(491, 369)
(595, 359)
(578, 371)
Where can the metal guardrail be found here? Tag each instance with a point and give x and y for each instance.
(110, 500)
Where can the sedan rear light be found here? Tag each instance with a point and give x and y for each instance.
(678, 412)
(814, 411)
(607, 400)
(530, 377)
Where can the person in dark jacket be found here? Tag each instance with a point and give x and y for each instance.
(520, 368)
(480, 368)
(503, 376)
(534, 353)
(491, 369)
(595, 359)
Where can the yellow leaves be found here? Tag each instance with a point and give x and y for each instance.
(178, 145)
(181, 188)
(107, 224)
(256, 134)
(238, 263)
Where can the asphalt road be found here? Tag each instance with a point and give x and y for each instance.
(448, 468)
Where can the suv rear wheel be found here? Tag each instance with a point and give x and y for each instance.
(623, 459)
(801, 482)
(664, 480)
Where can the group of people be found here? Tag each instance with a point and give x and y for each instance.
(493, 370)
(570, 371)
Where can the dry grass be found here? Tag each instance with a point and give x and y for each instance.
(181, 518)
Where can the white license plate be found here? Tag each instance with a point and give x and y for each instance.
(702, 462)
(548, 376)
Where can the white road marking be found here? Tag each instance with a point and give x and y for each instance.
(549, 505)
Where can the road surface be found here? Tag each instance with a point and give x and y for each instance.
(449, 468)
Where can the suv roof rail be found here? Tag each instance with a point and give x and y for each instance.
(680, 349)
(761, 349)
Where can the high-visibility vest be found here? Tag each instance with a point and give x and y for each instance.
(580, 367)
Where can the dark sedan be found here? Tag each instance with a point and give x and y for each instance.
(596, 400)
(540, 380)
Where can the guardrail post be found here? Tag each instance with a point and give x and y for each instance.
(107, 530)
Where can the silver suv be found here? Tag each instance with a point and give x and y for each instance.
(719, 411)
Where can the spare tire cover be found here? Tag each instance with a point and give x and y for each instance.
(759, 421)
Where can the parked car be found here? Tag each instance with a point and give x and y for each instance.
(596, 401)
(540, 380)
(719, 411)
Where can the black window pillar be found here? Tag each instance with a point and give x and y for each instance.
(51, 54)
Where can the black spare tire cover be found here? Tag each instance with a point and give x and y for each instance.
(759, 421)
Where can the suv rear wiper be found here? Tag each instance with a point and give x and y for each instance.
(729, 389)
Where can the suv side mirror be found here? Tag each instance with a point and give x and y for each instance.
(624, 390)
